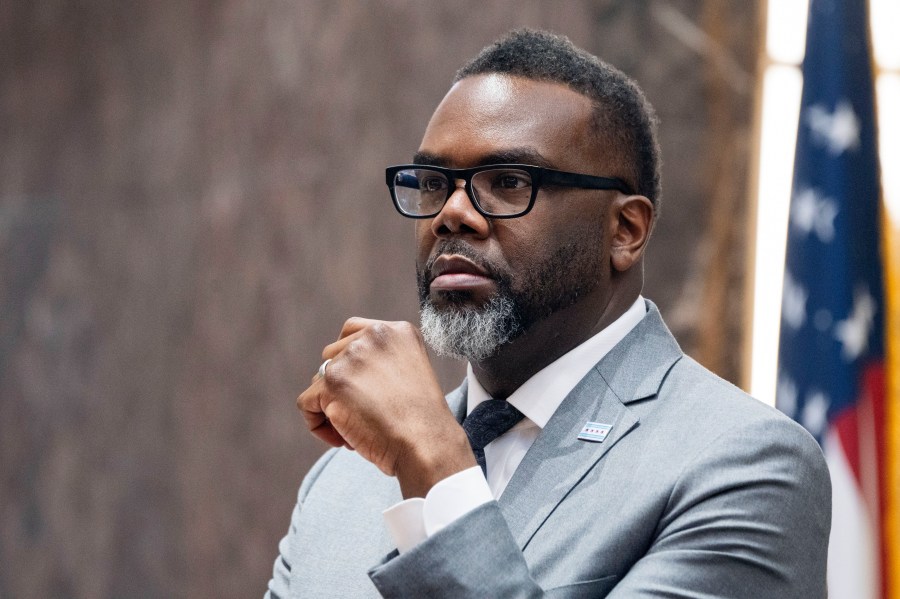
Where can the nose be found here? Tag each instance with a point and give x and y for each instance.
(459, 216)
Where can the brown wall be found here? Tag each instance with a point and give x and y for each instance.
(192, 201)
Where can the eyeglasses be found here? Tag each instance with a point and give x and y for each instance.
(496, 190)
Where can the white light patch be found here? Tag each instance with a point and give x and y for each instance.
(786, 30)
(885, 41)
(888, 88)
(782, 87)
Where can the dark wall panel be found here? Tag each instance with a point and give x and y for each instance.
(191, 203)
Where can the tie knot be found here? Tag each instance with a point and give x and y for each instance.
(490, 419)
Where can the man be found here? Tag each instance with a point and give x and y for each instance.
(622, 468)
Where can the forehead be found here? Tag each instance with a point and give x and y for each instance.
(489, 116)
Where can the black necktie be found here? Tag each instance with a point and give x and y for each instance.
(490, 419)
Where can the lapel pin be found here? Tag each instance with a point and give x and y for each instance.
(594, 431)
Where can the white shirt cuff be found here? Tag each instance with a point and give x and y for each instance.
(405, 524)
(413, 520)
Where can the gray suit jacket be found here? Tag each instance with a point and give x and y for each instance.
(698, 491)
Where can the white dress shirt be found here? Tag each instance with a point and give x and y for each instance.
(413, 520)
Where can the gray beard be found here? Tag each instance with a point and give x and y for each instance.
(470, 333)
(456, 329)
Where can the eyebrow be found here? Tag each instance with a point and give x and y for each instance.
(522, 155)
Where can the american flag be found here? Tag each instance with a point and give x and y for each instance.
(832, 348)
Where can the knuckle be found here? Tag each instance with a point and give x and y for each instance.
(353, 351)
(335, 373)
(339, 375)
(379, 333)
(354, 323)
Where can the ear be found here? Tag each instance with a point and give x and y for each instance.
(632, 222)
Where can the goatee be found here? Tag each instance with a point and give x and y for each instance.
(468, 332)
(460, 329)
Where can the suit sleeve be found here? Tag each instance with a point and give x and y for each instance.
(745, 518)
(280, 584)
(475, 556)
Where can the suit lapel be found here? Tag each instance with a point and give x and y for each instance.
(456, 400)
(557, 461)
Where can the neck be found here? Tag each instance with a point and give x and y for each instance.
(546, 341)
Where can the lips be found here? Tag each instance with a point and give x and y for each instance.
(456, 273)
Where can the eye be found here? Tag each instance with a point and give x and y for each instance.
(511, 180)
(432, 184)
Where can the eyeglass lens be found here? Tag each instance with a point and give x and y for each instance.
(499, 192)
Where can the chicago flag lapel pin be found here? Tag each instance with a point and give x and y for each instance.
(594, 431)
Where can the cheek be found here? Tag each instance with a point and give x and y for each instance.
(424, 240)
(542, 233)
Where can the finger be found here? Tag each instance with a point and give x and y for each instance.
(310, 405)
(320, 372)
(316, 421)
(332, 350)
(355, 325)
(327, 433)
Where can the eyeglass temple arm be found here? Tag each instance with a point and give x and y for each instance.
(584, 181)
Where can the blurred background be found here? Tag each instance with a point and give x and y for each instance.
(192, 201)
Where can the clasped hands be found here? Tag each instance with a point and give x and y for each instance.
(381, 398)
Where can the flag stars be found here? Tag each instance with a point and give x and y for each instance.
(815, 413)
(854, 332)
(810, 212)
(786, 395)
(838, 130)
(793, 302)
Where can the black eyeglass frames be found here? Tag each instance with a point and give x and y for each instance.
(496, 190)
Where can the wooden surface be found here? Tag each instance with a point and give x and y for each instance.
(192, 201)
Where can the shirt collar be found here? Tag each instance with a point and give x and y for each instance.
(540, 396)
